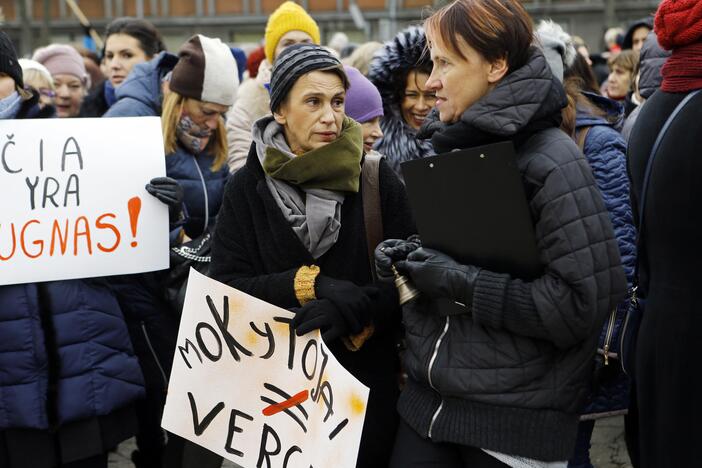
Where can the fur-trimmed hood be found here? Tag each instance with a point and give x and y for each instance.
(388, 72)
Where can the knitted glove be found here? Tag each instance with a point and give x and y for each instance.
(439, 276)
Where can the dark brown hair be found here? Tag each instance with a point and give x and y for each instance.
(143, 31)
(496, 29)
(582, 70)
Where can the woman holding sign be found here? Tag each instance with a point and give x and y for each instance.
(501, 380)
(190, 92)
(291, 231)
(68, 375)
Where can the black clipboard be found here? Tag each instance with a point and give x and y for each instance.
(471, 205)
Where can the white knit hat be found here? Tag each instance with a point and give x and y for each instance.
(206, 71)
(28, 64)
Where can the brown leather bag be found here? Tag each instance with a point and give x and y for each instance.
(373, 220)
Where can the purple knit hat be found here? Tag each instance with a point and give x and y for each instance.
(363, 101)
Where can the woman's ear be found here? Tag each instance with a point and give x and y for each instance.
(498, 70)
(280, 118)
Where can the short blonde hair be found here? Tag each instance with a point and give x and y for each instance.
(361, 58)
(37, 80)
(172, 109)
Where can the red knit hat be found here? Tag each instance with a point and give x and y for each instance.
(678, 23)
(254, 61)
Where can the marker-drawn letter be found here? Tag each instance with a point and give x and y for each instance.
(264, 453)
(234, 428)
(200, 426)
(74, 152)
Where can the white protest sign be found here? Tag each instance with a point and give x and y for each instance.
(73, 198)
(245, 387)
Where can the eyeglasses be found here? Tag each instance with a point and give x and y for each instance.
(50, 93)
(429, 98)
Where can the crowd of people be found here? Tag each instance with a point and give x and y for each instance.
(266, 154)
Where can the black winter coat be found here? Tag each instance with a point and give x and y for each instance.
(255, 250)
(94, 104)
(510, 375)
(669, 383)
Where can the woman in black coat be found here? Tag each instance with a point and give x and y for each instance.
(291, 231)
(668, 381)
(499, 379)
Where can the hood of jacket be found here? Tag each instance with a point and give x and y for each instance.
(653, 57)
(387, 72)
(144, 82)
(614, 112)
(628, 41)
(526, 101)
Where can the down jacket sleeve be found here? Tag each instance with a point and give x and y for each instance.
(251, 104)
(583, 278)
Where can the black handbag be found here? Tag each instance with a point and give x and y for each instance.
(192, 254)
(637, 303)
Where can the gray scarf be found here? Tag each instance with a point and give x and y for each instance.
(313, 214)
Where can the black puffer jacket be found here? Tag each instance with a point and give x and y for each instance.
(511, 375)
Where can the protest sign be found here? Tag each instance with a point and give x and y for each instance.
(244, 386)
(73, 198)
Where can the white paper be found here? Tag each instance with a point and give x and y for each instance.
(65, 185)
(234, 398)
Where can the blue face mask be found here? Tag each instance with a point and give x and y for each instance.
(10, 105)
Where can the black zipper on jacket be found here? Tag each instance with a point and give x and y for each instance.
(153, 353)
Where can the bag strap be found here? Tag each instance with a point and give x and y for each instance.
(372, 214)
(581, 136)
(647, 179)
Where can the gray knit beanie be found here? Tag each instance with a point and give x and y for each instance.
(296, 61)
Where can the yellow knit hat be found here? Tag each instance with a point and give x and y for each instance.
(288, 17)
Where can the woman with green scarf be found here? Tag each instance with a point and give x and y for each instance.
(291, 231)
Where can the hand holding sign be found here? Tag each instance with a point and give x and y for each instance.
(245, 386)
(168, 191)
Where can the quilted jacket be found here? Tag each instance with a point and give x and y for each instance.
(510, 374)
(203, 188)
(65, 355)
(605, 150)
(399, 142)
(252, 103)
(140, 95)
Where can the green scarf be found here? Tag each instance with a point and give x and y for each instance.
(335, 166)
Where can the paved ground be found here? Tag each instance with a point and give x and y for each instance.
(608, 450)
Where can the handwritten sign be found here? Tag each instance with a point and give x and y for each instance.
(74, 203)
(245, 387)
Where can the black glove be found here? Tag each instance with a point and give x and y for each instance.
(391, 251)
(168, 191)
(322, 314)
(439, 276)
(349, 299)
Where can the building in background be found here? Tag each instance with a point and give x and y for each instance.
(243, 21)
